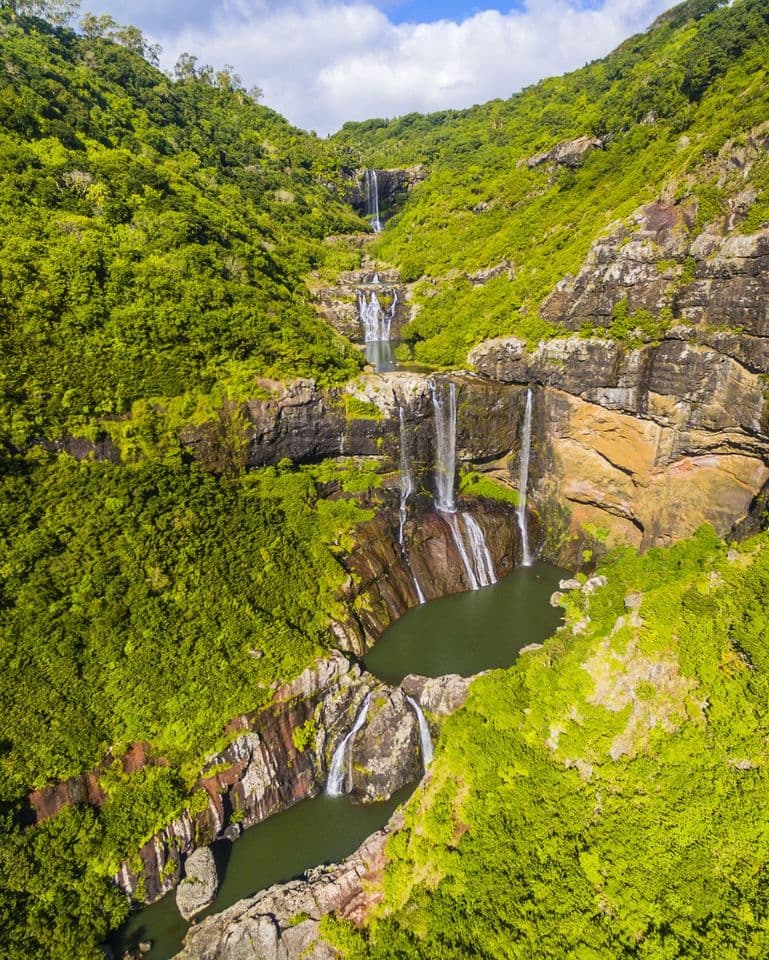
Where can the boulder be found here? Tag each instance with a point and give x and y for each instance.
(200, 884)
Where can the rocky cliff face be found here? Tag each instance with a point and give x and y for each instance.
(394, 186)
(282, 756)
(643, 443)
(283, 922)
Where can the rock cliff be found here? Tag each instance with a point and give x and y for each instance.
(642, 441)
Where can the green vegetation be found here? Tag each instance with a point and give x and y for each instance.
(154, 234)
(666, 101)
(479, 485)
(141, 603)
(605, 797)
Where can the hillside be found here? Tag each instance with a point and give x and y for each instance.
(154, 236)
(670, 114)
(605, 797)
(204, 501)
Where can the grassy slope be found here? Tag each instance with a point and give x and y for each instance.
(546, 845)
(153, 236)
(669, 99)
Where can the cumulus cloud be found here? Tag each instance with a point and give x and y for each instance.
(322, 62)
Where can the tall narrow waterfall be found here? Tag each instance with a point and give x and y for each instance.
(466, 532)
(372, 200)
(523, 479)
(479, 551)
(340, 771)
(445, 409)
(425, 740)
(408, 486)
(407, 474)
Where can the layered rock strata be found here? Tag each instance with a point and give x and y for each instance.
(642, 443)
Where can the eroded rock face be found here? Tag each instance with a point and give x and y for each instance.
(386, 575)
(643, 444)
(439, 696)
(385, 756)
(200, 884)
(283, 922)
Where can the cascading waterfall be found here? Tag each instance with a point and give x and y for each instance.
(523, 479)
(407, 474)
(465, 529)
(445, 409)
(425, 740)
(483, 563)
(372, 200)
(376, 321)
(408, 486)
(340, 771)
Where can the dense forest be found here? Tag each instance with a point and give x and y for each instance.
(605, 812)
(156, 237)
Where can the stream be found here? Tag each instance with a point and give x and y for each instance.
(464, 633)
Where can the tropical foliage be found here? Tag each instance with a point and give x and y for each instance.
(662, 105)
(605, 797)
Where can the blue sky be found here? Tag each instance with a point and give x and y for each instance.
(322, 62)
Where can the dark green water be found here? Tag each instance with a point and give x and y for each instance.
(323, 830)
(470, 632)
(463, 634)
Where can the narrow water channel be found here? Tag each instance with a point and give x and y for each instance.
(464, 634)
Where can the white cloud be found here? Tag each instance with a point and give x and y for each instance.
(321, 62)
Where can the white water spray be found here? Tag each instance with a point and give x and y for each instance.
(466, 532)
(425, 740)
(445, 409)
(372, 200)
(375, 320)
(479, 551)
(407, 474)
(340, 772)
(523, 479)
(408, 487)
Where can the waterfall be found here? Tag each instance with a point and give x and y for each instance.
(479, 551)
(420, 595)
(407, 473)
(425, 740)
(408, 486)
(341, 764)
(466, 532)
(445, 407)
(473, 551)
(523, 479)
(372, 200)
(376, 321)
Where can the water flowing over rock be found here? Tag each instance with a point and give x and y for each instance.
(372, 200)
(374, 318)
(444, 394)
(439, 696)
(523, 479)
(643, 442)
(425, 739)
(340, 772)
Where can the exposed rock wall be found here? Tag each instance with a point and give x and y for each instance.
(641, 444)
(283, 922)
(394, 186)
